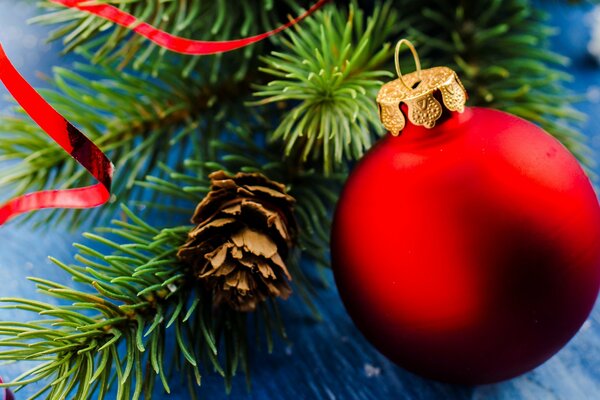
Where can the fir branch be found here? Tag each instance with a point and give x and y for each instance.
(78, 344)
(204, 20)
(113, 334)
(329, 74)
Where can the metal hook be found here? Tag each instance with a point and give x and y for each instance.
(415, 57)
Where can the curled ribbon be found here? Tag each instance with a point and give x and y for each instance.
(172, 42)
(69, 138)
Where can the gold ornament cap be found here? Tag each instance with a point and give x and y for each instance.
(416, 90)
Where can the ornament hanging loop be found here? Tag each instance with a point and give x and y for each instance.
(408, 44)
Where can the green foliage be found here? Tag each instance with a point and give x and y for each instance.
(114, 333)
(194, 19)
(329, 74)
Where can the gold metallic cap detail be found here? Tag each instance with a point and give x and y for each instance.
(417, 90)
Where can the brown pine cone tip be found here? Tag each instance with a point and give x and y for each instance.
(245, 229)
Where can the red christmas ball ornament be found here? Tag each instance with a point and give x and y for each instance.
(470, 252)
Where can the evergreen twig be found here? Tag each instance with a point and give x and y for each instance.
(203, 20)
(329, 74)
(114, 334)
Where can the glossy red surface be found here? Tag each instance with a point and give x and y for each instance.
(470, 252)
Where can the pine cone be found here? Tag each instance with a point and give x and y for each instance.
(245, 229)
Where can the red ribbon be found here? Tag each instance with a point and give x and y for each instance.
(69, 138)
(7, 393)
(172, 42)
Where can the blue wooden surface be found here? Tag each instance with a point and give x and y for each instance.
(330, 359)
